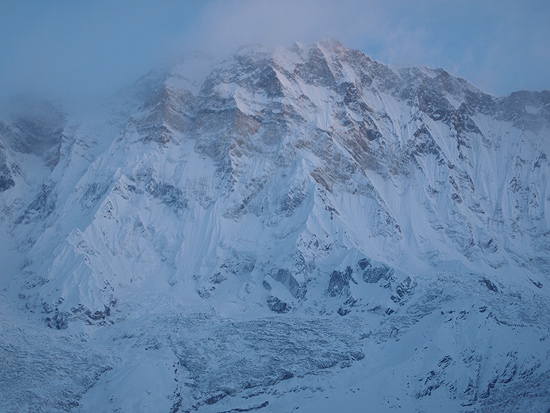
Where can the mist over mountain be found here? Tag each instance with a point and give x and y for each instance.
(291, 227)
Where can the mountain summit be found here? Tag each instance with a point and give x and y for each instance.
(290, 227)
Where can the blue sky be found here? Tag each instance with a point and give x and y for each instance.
(77, 48)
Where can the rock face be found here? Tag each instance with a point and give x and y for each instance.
(276, 195)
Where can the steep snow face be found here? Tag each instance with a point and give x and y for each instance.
(286, 192)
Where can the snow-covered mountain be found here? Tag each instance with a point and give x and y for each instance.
(296, 227)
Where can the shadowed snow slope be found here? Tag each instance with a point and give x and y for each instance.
(296, 227)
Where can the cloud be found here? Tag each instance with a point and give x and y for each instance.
(226, 25)
(80, 48)
(69, 48)
(499, 45)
